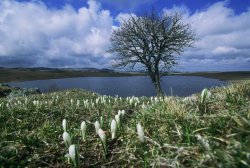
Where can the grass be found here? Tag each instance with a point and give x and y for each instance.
(13, 75)
(5, 89)
(179, 132)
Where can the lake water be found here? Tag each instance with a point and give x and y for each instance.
(125, 86)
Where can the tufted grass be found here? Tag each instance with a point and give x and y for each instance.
(179, 132)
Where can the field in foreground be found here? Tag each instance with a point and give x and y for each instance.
(179, 132)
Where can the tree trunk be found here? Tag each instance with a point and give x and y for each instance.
(155, 77)
(158, 86)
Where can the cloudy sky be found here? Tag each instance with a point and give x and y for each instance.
(75, 33)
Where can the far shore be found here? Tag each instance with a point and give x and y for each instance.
(16, 75)
(233, 76)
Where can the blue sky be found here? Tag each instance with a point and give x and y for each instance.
(75, 33)
(118, 6)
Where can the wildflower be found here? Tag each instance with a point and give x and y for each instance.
(67, 139)
(74, 156)
(117, 119)
(203, 141)
(78, 103)
(156, 99)
(113, 128)
(130, 101)
(36, 103)
(119, 112)
(135, 104)
(102, 136)
(64, 125)
(97, 100)
(205, 94)
(143, 106)
(83, 130)
(97, 126)
(140, 132)
(123, 112)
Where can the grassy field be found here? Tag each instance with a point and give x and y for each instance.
(207, 131)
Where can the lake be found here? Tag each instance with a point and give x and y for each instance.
(125, 86)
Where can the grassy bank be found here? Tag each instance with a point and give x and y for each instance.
(13, 75)
(227, 76)
(179, 132)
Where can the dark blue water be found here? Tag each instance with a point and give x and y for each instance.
(125, 86)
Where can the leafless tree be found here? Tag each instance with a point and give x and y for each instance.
(152, 40)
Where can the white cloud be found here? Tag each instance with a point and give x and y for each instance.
(31, 34)
(40, 36)
(224, 50)
(219, 19)
(222, 39)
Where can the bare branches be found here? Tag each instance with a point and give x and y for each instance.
(152, 40)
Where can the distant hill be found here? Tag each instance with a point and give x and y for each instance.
(90, 69)
(62, 69)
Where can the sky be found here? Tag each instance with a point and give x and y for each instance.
(75, 33)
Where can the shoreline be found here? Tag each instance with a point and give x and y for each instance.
(234, 76)
(20, 75)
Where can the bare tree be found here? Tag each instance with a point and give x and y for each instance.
(152, 40)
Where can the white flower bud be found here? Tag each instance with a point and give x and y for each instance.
(119, 112)
(113, 128)
(66, 138)
(203, 141)
(123, 112)
(64, 125)
(83, 129)
(97, 126)
(102, 136)
(117, 119)
(140, 132)
(205, 94)
(78, 103)
(73, 154)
